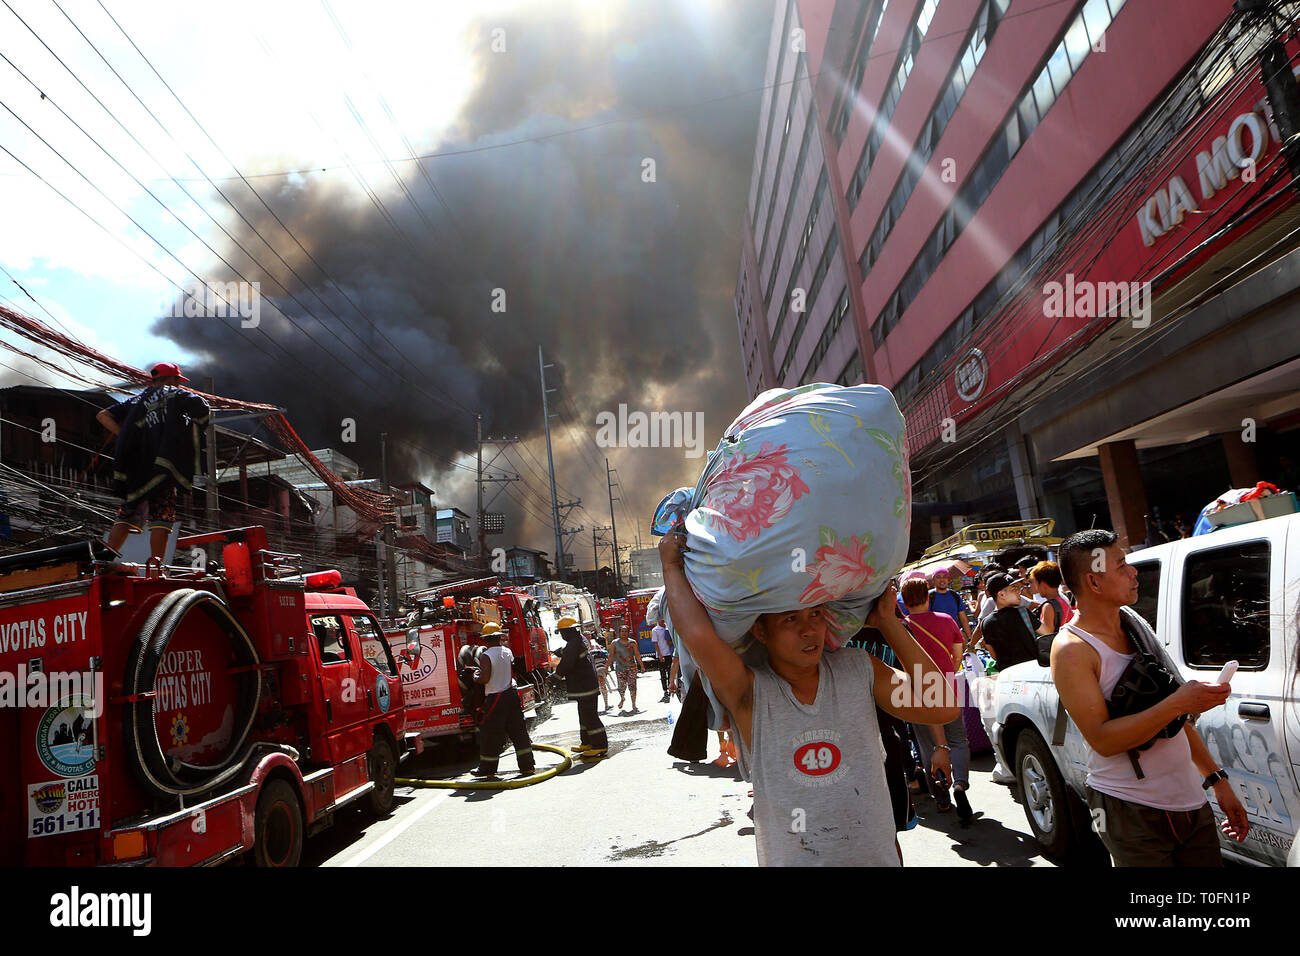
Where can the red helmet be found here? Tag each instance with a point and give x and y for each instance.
(167, 370)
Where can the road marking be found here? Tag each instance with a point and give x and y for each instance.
(393, 834)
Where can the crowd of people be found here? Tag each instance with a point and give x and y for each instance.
(806, 708)
(1017, 611)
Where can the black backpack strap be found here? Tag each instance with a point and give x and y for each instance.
(1058, 729)
(1137, 766)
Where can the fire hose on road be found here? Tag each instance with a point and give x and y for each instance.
(565, 763)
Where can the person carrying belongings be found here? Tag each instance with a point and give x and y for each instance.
(772, 564)
(157, 450)
(807, 723)
(580, 679)
(503, 714)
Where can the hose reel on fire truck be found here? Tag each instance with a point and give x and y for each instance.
(181, 683)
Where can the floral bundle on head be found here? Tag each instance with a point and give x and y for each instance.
(806, 501)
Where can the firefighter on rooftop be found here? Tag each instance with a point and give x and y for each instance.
(157, 450)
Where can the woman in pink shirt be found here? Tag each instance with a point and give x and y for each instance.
(943, 746)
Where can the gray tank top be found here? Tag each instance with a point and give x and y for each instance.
(820, 795)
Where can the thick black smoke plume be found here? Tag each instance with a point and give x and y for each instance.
(626, 284)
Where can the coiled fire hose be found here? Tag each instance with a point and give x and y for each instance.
(565, 763)
(169, 776)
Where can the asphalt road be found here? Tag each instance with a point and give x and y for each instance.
(638, 807)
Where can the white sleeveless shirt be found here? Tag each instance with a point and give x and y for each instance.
(1172, 781)
(502, 669)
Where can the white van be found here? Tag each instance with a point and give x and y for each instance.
(1233, 594)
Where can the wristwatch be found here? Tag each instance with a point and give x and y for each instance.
(1214, 778)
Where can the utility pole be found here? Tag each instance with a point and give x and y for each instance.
(483, 524)
(213, 502)
(560, 531)
(595, 553)
(390, 565)
(566, 507)
(550, 461)
(383, 596)
(609, 483)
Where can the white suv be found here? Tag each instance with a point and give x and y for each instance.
(1233, 594)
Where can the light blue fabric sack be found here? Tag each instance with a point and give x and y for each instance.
(805, 501)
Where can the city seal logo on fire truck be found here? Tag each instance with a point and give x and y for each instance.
(381, 692)
(65, 737)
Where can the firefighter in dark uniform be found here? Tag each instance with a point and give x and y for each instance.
(503, 715)
(580, 680)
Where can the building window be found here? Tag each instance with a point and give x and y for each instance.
(827, 336)
(818, 196)
(1144, 140)
(840, 124)
(823, 266)
(852, 374)
(968, 58)
(771, 107)
(809, 126)
(907, 53)
(1006, 142)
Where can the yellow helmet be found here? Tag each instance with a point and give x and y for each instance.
(491, 628)
(566, 621)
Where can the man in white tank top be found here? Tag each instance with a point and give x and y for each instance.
(1149, 807)
(503, 713)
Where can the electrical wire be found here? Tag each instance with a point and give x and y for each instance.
(645, 116)
(399, 353)
(442, 395)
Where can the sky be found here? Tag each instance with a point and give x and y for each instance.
(582, 189)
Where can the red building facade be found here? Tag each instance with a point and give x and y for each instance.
(1063, 236)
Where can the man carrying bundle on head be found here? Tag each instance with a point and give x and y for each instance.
(807, 723)
(791, 537)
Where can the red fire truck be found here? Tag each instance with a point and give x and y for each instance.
(631, 612)
(613, 613)
(447, 621)
(191, 717)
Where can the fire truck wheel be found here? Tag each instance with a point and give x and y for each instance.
(383, 771)
(278, 828)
